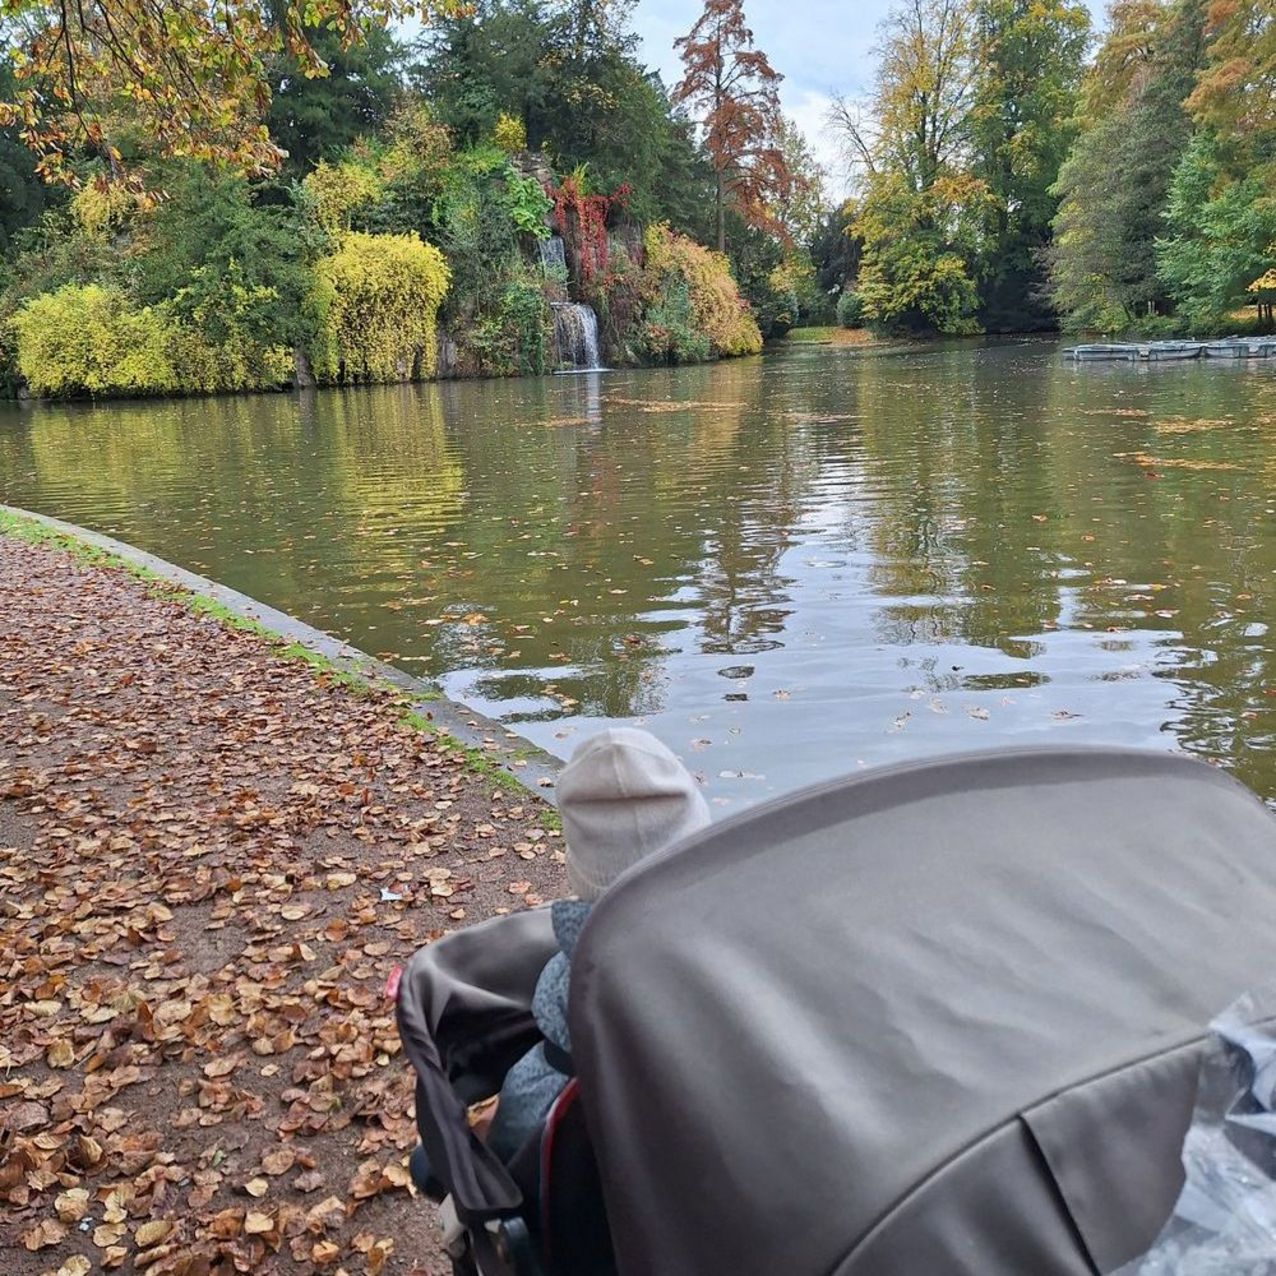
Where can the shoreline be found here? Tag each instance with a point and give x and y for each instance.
(489, 746)
(216, 846)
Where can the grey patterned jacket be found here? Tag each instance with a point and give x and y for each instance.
(533, 1083)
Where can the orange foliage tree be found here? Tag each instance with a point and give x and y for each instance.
(1236, 91)
(736, 90)
(188, 76)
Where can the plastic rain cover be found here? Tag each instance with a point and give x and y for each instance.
(1224, 1222)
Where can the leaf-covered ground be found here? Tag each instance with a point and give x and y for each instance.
(211, 859)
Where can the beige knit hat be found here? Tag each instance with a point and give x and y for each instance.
(622, 797)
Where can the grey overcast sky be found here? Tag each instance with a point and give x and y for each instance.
(821, 47)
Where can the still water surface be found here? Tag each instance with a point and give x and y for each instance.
(786, 567)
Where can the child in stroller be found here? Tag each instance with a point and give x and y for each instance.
(622, 797)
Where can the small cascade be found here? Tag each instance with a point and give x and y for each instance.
(575, 337)
(553, 255)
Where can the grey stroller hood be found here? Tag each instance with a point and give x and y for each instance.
(938, 1019)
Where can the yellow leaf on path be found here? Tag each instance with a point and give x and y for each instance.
(76, 1265)
(257, 1187)
(258, 1224)
(221, 1067)
(61, 1055)
(152, 1232)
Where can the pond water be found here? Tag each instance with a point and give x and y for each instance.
(786, 567)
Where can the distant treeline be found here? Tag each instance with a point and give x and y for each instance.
(1010, 175)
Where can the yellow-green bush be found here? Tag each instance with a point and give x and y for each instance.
(98, 208)
(91, 340)
(375, 302)
(510, 134)
(691, 304)
(94, 340)
(339, 191)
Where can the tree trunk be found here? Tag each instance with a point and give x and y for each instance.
(721, 207)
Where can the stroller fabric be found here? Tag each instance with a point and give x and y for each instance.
(944, 1017)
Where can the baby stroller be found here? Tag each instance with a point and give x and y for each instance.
(943, 1017)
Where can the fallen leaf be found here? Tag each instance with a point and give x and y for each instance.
(45, 1233)
(152, 1232)
(72, 1205)
(279, 1161)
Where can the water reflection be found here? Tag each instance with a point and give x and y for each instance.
(787, 567)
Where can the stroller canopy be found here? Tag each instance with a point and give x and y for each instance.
(940, 1018)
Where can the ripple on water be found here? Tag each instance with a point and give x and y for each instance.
(941, 549)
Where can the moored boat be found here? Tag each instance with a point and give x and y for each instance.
(1232, 348)
(1166, 351)
(1103, 354)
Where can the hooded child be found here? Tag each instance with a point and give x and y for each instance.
(622, 797)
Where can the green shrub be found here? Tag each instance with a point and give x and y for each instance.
(692, 309)
(94, 340)
(850, 309)
(669, 332)
(528, 205)
(91, 340)
(233, 257)
(375, 302)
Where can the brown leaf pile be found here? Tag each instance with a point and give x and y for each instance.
(210, 862)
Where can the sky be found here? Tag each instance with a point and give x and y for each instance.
(821, 47)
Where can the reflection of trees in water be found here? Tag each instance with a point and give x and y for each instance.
(669, 518)
(1002, 514)
(957, 479)
(565, 537)
(1174, 533)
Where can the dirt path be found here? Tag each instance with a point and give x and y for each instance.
(210, 861)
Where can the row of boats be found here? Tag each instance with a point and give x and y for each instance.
(1175, 351)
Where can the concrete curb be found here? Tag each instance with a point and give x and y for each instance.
(529, 764)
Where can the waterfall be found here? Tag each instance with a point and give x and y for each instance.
(553, 255)
(575, 337)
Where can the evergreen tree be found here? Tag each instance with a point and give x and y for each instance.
(22, 194)
(315, 118)
(1028, 57)
(1114, 187)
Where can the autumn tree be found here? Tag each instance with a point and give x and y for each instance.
(1235, 93)
(1115, 186)
(189, 76)
(1220, 249)
(919, 208)
(735, 90)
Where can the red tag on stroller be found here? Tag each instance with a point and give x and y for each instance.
(392, 983)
